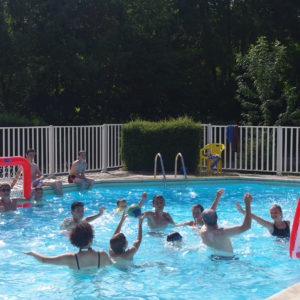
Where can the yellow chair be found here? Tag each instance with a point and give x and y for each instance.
(211, 149)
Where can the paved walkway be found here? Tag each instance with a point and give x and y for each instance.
(125, 175)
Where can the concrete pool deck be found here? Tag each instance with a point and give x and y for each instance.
(113, 175)
(290, 293)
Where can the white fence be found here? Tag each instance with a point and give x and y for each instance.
(57, 146)
(261, 148)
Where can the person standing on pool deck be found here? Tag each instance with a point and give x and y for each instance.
(37, 178)
(77, 172)
(158, 218)
(119, 243)
(197, 210)
(279, 228)
(219, 238)
(77, 211)
(81, 236)
(7, 203)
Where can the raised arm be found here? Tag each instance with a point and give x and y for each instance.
(63, 259)
(118, 229)
(218, 197)
(138, 241)
(93, 217)
(16, 177)
(238, 229)
(259, 220)
(143, 199)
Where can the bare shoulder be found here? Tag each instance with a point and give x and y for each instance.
(148, 213)
(75, 162)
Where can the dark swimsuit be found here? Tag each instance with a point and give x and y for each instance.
(285, 232)
(77, 262)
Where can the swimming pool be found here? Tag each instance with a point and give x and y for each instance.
(161, 271)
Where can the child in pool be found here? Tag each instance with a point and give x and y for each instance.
(77, 211)
(7, 203)
(278, 228)
(197, 210)
(122, 203)
(158, 218)
(38, 195)
(119, 243)
(174, 236)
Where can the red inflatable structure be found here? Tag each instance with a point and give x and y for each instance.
(20, 161)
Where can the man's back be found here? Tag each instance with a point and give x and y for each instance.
(219, 238)
(216, 238)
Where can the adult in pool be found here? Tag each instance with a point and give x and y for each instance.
(81, 236)
(219, 238)
(277, 228)
(158, 218)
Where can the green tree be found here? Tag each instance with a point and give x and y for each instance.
(266, 96)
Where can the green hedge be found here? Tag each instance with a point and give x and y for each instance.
(142, 140)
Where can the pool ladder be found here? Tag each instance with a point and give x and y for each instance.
(175, 168)
(162, 167)
(183, 167)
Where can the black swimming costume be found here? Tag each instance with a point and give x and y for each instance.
(77, 262)
(285, 232)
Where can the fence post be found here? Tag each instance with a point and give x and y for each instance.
(51, 150)
(209, 134)
(104, 148)
(279, 151)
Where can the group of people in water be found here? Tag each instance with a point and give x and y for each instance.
(81, 233)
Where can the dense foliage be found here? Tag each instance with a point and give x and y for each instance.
(102, 61)
(142, 140)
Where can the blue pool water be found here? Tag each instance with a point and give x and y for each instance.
(161, 271)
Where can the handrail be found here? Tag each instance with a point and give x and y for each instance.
(183, 166)
(162, 167)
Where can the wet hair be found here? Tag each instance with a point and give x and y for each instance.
(209, 217)
(276, 206)
(81, 234)
(76, 204)
(117, 243)
(157, 196)
(29, 150)
(174, 236)
(119, 201)
(198, 206)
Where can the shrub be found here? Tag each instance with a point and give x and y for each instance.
(14, 119)
(142, 140)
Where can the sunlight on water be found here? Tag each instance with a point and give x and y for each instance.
(161, 271)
